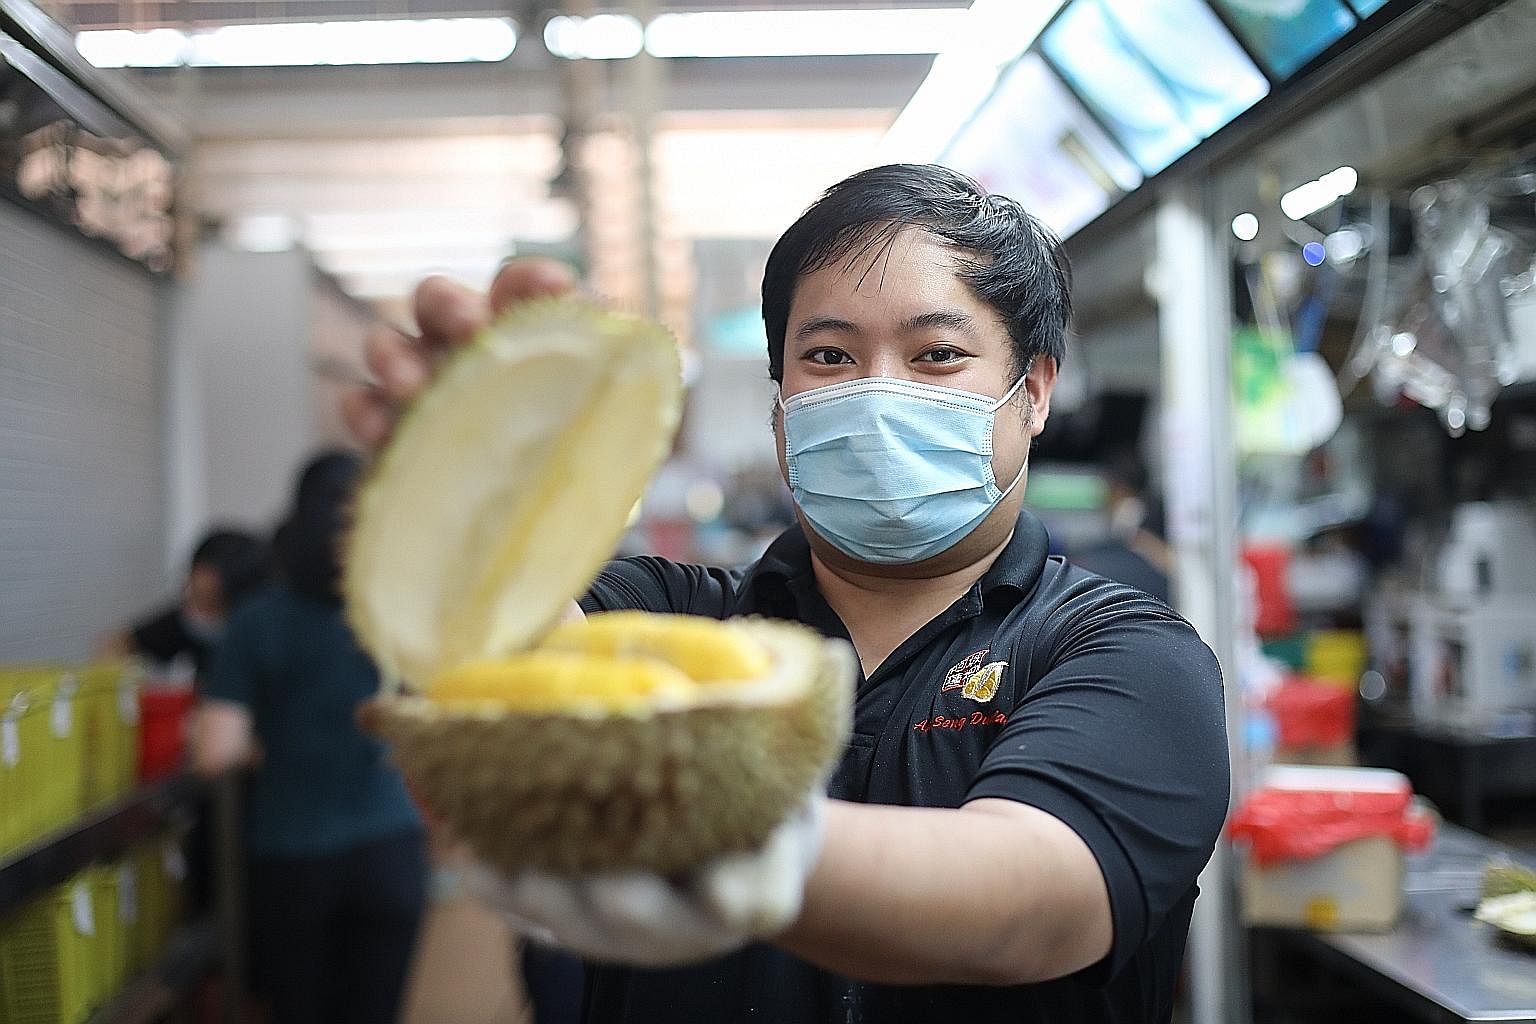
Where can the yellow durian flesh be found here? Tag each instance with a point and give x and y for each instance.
(614, 663)
(555, 681)
(699, 647)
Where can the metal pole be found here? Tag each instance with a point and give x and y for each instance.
(646, 83)
(1192, 287)
(230, 888)
(583, 99)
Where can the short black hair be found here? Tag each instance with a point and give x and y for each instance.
(1011, 261)
(308, 542)
(242, 560)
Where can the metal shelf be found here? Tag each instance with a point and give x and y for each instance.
(99, 835)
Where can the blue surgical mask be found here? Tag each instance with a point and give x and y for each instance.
(202, 628)
(892, 471)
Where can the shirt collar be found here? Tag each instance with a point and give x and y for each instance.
(1023, 557)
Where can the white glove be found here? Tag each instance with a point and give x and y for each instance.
(640, 918)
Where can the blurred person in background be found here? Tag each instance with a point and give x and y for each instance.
(337, 866)
(228, 565)
(1038, 865)
(1134, 552)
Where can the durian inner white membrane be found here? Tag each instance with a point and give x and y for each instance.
(475, 466)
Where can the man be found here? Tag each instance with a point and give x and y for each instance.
(1038, 767)
(1134, 552)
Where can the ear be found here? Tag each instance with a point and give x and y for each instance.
(1039, 382)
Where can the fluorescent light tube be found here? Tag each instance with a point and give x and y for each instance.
(307, 44)
(124, 48)
(600, 37)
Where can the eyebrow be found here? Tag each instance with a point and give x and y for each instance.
(940, 318)
(824, 323)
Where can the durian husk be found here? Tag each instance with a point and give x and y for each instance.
(1502, 878)
(661, 791)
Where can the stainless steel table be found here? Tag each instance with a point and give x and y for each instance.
(1438, 964)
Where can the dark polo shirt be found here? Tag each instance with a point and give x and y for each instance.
(1042, 684)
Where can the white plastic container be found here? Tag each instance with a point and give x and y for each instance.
(1490, 552)
(1473, 664)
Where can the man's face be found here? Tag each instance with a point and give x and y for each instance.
(902, 311)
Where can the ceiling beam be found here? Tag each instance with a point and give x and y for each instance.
(369, 101)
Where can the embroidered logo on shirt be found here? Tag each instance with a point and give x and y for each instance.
(982, 684)
(955, 678)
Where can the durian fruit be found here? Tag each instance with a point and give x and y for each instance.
(624, 741)
(579, 760)
(1513, 914)
(1501, 878)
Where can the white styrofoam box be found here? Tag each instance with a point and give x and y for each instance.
(1357, 886)
(1472, 663)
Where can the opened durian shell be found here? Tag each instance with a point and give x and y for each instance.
(496, 502)
(662, 789)
(1503, 877)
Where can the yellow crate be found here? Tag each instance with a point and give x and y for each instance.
(58, 787)
(109, 701)
(137, 955)
(48, 959)
(111, 941)
(15, 707)
(159, 871)
(29, 795)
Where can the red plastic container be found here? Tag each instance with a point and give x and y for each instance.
(1275, 615)
(1312, 714)
(162, 731)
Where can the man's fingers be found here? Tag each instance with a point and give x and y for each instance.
(447, 313)
(401, 367)
(530, 277)
(369, 416)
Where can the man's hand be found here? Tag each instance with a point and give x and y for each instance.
(640, 918)
(447, 315)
